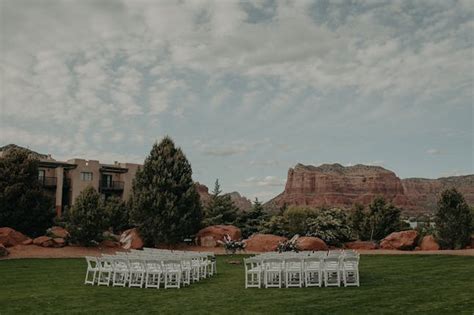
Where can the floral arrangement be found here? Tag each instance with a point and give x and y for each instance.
(232, 246)
(289, 246)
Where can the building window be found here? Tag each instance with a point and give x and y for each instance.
(41, 174)
(86, 176)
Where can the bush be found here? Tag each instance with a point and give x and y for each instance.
(330, 225)
(453, 220)
(297, 218)
(116, 211)
(277, 225)
(165, 204)
(23, 204)
(87, 219)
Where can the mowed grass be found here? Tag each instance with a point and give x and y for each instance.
(389, 284)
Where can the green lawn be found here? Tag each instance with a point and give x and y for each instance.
(389, 284)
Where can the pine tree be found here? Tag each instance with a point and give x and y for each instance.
(23, 204)
(220, 209)
(87, 219)
(382, 219)
(166, 206)
(117, 213)
(453, 220)
(252, 221)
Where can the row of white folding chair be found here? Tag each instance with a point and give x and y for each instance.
(123, 269)
(296, 270)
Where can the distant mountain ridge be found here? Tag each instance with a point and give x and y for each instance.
(334, 185)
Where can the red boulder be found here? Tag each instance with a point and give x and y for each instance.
(364, 245)
(310, 243)
(429, 243)
(10, 237)
(57, 231)
(400, 240)
(209, 236)
(59, 242)
(28, 241)
(44, 241)
(263, 242)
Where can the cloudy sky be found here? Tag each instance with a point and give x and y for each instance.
(247, 89)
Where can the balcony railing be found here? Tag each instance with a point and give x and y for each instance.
(113, 185)
(47, 181)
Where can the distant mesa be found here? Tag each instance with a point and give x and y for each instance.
(241, 202)
(334, 185)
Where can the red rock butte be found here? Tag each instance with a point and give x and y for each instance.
(334, 185)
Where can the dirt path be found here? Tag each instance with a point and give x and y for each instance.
(33, 251)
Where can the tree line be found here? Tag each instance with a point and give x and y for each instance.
(166, 208)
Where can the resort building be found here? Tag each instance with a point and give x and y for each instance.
(65, 180)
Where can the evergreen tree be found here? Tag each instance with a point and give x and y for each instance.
(220, 209)
(453, 220)
(23, 204)
(87, 219)
(166, 206)
(252, 221)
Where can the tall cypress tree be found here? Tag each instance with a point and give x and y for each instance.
(251, 222)
(166, 206)
(221, 208)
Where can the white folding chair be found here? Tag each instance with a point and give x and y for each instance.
(121, 272)
(332, 276)
(136, 272)
(313, 272)
(153, 273)
(105, 270)
(253, 273)
(350, 270)
(172, 273)
(92, 269)
(294, 272)
(273, 273)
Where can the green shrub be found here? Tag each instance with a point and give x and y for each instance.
(87, 219)
(453, 220)
(381, 219)
(331, 225)
(277, 225)
(297, 218)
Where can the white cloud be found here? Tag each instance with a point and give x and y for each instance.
(263, 182)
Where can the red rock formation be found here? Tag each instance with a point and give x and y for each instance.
(239, 201)
(263, 242)
(44, 241)
(400, 240)
(311, 243)
(10, 237)
(424, 193)
(338, 186)
(334, 185)
(209, 236)
(3, 251)
(57, 231)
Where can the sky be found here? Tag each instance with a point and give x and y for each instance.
(246, 89)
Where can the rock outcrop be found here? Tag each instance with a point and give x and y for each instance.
(334, 185)
(403, 240)
(242, 203)
(429, 243)
(209, 236)
(44, 241)
(310, 243)
(130, 239)
(263, 242)
(10, 237)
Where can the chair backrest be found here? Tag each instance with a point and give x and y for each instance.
(92, 262)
